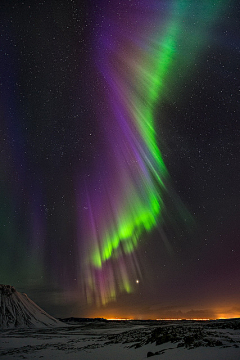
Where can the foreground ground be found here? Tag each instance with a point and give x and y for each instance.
(128, 340)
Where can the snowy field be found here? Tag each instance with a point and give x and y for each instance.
(128, 340)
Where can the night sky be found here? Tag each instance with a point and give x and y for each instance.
(119, 156)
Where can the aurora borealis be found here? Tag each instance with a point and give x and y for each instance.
(119, 128)
(136, 63)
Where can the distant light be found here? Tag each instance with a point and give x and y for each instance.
(137, 281)
(118, 319)
(183, 319)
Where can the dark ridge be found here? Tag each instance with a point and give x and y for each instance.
(80, 320)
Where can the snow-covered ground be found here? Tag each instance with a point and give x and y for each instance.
(128, 340)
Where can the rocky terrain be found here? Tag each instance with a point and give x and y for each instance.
(128, 340)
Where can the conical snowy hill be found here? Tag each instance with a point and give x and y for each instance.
(17, 310)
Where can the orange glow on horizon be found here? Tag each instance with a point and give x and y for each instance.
(225, 317)
(211, 313)
(190, 319)
(118, 319)
(168, 319)
(222, 317)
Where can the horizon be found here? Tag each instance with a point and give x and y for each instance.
(120, 171)
(137, 319)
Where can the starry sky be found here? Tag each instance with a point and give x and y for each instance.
(119, 156)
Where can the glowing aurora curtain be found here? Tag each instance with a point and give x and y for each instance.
(141, 48)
